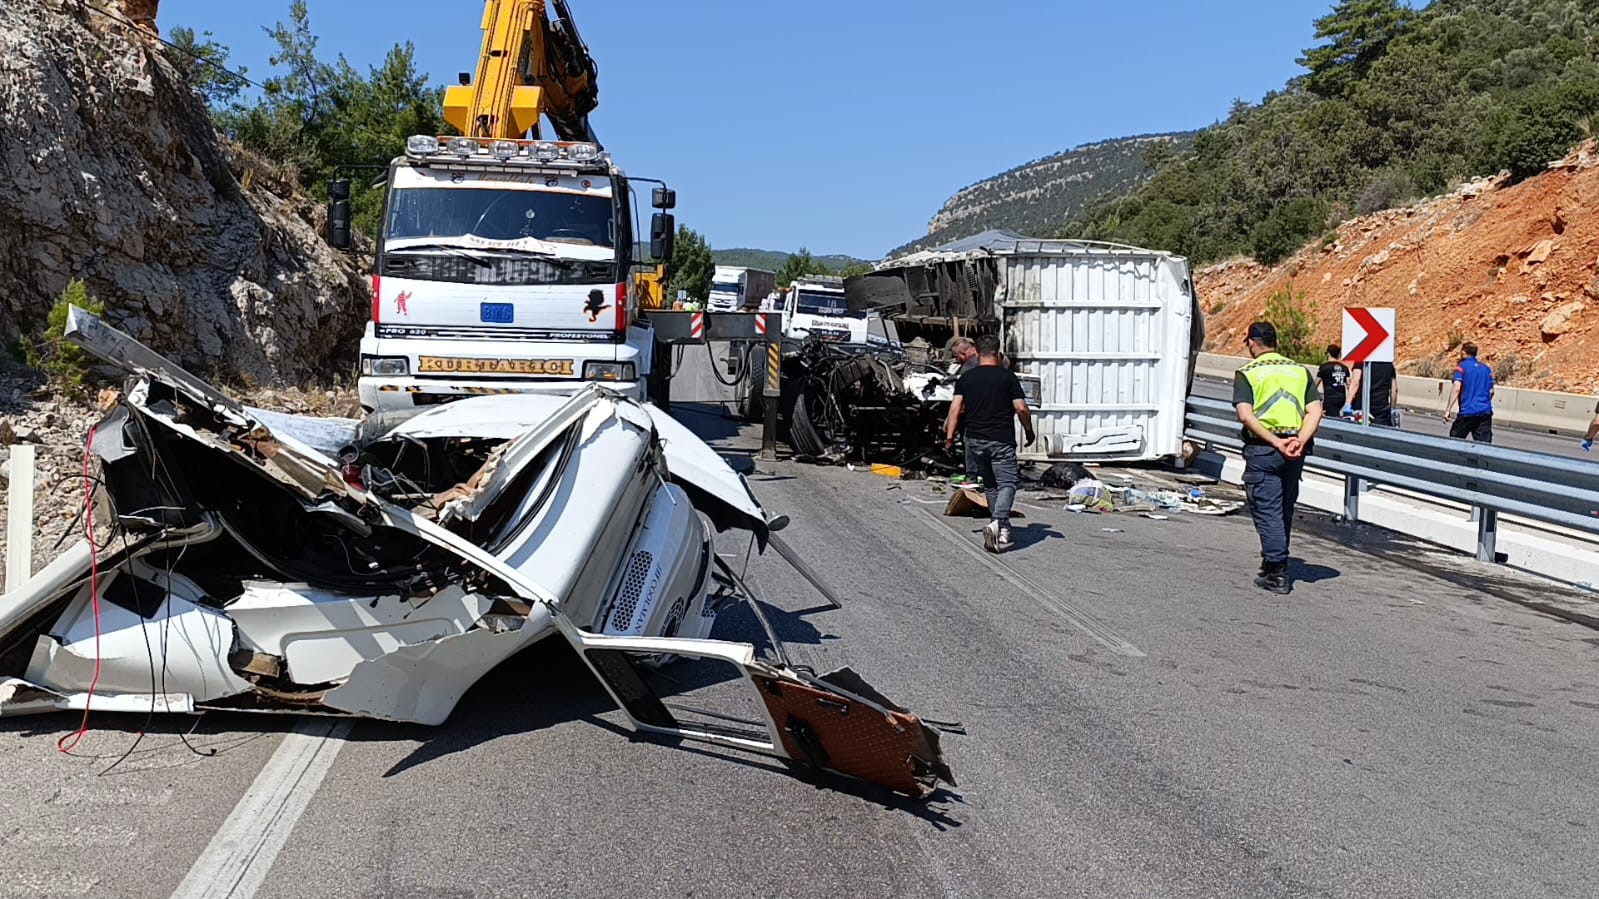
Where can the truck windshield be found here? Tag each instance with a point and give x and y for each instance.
(501, 215)
(832, 304)
(724, 287)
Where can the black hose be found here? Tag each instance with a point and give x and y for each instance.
(716, 370)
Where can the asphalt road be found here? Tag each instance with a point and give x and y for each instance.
(1433, 423)
(1140, 721)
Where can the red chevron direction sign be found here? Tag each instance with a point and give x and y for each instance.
(1368, 335)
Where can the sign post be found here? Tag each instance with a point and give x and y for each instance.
(1368, 338)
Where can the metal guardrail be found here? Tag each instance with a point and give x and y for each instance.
(1491, 480)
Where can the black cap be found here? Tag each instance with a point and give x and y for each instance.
(1265, 332)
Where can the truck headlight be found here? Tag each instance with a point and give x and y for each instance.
(610, 371)
(385, 366)
(421, 145)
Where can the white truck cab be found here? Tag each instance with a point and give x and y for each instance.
(816, 307)
(504, 267)
(727, 290)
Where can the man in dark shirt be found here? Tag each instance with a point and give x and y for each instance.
(1384, 380)
(1333, 379)
(990, 400)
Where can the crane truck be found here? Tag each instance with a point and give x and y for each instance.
(505, 260)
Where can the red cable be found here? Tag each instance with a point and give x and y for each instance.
(63, 744)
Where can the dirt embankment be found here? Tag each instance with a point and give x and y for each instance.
(1512, 268)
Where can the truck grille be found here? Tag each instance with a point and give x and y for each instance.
(472, 332)
(506, 272)
(633, 584)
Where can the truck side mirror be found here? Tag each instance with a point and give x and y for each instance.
(663, 198)
(339, 215)
(663, 236)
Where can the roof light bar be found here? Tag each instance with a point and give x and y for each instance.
(542, 152)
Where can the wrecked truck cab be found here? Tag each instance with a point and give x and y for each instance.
(381, 568)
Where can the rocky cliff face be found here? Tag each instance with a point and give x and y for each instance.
(110, 172)
(1038, 198)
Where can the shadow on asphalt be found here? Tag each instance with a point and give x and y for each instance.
(712, 422)
(1308, 573)
(1546, 597)
(134, 743)
(547, 685)
(1032, 535)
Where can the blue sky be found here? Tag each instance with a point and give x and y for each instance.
(843, 126)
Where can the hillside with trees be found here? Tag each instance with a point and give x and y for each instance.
(1396, 104)
(773, 260)
(1038, 196)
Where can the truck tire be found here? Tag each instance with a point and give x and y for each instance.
(803, 434)
(752, 398)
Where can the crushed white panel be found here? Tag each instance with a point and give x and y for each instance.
(323, 636)
(325, 435)
(189, 643)
(19, 697)
(423, 682)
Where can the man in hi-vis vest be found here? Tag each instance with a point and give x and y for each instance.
(1280, 410)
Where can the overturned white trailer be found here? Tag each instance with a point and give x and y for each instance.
(253, 561)
(1109, 333)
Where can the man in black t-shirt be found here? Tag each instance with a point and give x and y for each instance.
(1332, 378)
(1384, 379)
(990, 400)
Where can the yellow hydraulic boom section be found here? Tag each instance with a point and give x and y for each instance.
(532, 65)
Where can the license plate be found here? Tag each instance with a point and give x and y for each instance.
(446, 365)
(498, 313)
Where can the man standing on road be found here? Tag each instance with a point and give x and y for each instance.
(1593, 430)
(1280, 410)
(1384, 393)
(1333, 379)
(990, 400)
(1473, 395)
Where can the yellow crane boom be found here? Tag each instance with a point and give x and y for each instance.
(532, 65)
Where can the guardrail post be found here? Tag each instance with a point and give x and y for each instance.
(19, 520)
(772, 391)
(1487, 534)
(1352, 488)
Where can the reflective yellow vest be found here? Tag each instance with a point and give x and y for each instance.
(1279, 386)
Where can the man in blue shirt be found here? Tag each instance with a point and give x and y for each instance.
(1473, 396)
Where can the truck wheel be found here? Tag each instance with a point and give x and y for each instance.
(752, 398)
(802, 431)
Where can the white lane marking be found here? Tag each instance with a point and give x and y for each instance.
(1074, 616)
(240, 855)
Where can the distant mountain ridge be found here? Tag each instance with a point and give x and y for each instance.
(772, 260)
(1040, 197)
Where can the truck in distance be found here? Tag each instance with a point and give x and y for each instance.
(739, 289)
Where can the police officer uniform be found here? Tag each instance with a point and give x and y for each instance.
(1281, 392)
